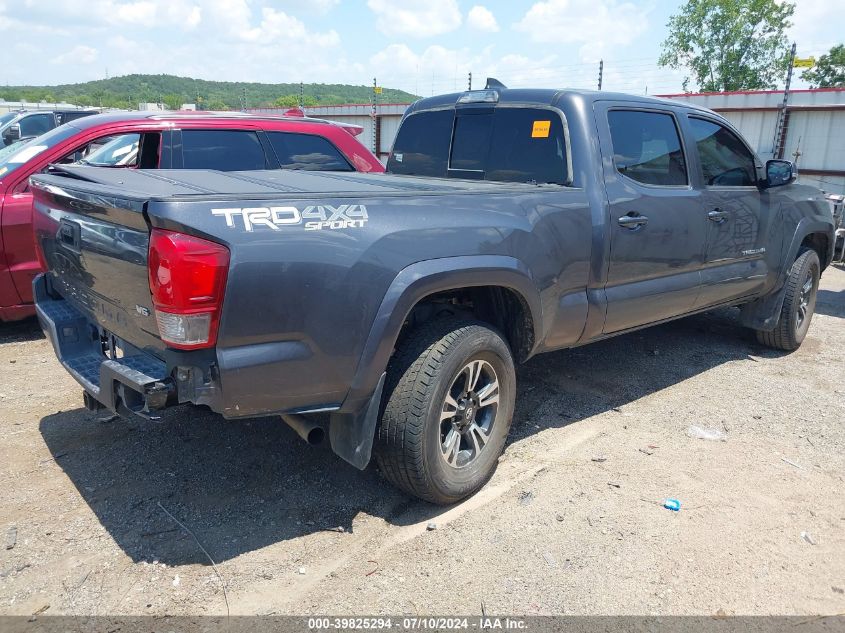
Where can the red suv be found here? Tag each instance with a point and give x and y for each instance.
(144, 140)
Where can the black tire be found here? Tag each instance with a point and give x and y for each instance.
(430, 365)
(792, 327)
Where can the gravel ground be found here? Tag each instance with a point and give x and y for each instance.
(572, 522)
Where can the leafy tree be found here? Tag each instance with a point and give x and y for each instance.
(216, 95)
(172, 102)
(287, 101)
(829, 71)
(215, 104)
(730, 44)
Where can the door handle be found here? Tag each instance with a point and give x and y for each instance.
(717, 215)
(632, 221)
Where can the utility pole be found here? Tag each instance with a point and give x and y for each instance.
(301, 95)
(601, 71)
(373, 119)
(783, 114)
(243, 98)
(469, 86)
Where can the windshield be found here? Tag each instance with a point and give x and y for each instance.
(23, 153)
(13, 147)
(5, 118)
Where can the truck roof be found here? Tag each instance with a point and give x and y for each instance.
(548, 97)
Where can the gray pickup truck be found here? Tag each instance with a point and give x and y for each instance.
(511, 222)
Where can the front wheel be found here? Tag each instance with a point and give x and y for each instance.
(798, 304)
(452, 387)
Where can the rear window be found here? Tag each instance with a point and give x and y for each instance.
(421, 147)
(306, 151)
(224, 150)
(502, 144)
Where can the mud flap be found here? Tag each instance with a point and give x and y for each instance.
(764, 313)
(352, 434)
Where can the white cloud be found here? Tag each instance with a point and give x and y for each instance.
(312, 6)
(77, 55)
(416, 18)
(182, 14)
(598, 24)
(482, 19)
(816, 26)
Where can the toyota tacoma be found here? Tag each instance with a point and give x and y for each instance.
(510, 222)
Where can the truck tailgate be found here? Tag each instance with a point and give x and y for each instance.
(95, 251)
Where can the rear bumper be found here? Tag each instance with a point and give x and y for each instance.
(134, 383)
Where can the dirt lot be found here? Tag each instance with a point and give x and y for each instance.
(571, 523)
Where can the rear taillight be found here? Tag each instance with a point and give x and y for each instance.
(187, 282)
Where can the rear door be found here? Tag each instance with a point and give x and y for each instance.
(738, 214)
(656, 225)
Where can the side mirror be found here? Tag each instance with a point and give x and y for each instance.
(779, 172)
(12, 134)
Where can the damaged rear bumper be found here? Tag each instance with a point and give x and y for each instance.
(115, 375)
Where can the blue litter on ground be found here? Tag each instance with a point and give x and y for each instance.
(672, 504)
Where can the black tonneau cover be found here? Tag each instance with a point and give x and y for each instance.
(157, 184)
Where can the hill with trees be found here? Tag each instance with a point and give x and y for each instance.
(130, 90)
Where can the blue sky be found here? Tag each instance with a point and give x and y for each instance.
(423, 46)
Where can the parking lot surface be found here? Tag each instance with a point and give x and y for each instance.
(572, 523)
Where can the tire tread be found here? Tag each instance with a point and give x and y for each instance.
(411, 382)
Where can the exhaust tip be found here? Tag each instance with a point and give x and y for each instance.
(312, 433)
(316, 436)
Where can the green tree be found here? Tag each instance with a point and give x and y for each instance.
(287, 101)
(215, 104)
(173, 102)
(730, 44)
(829, 71)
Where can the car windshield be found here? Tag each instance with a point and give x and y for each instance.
(13, 147)
(22, 153)
(5, 118)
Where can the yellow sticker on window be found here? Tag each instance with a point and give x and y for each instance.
(541, 129)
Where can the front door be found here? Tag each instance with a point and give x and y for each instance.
(656, 225)
(738, 214)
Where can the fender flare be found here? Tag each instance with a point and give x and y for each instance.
(805, 227)
(352, 427)
(763, 314)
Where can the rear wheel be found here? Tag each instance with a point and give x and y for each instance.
(448, 411)
(802, 284)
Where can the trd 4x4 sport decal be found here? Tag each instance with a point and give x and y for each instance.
(314, 218)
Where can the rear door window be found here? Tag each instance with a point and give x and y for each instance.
(647, 147)
(223, 150)
(308, 152)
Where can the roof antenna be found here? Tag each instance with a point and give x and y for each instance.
(493, 84)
